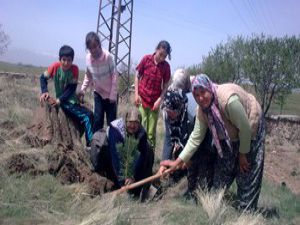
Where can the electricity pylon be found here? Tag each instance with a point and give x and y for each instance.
(114, 28)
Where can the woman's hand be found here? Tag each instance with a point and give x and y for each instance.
(161, 170)
(172, 165)
(243, 162)
(129, 181)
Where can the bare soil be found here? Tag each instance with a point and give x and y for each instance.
(282, 158)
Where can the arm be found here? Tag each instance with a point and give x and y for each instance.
(44, 83)
(194, 140)
(165, 85)
(238, 117)
(192, 145)
(138, 75)
(86, 81)
(137, 99)
(114, 82)
(44, 88)
(69, 90)
(85, 84)
(158, 101)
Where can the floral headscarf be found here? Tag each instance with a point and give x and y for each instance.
(215, 121)
(175, 99)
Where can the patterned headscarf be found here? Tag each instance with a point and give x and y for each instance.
(215, 121)
(175, 99)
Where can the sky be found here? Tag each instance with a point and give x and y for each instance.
(38, 28)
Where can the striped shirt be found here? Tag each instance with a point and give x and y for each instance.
(101, 74)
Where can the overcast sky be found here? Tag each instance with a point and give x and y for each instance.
(192, 27)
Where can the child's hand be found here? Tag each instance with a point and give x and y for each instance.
(137, 100)
(156, 104)
(52, 101)
(44, 97)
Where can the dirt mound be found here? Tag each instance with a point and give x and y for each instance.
(51, 125)
(73, 166)
(24, 163)
(57, 139)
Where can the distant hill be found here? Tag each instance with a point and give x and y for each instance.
(27, 57)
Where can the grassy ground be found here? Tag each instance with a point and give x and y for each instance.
(292, 106)
(41, 199)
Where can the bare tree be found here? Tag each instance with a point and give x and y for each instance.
(4, 40)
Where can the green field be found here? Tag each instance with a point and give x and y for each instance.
(292, 106)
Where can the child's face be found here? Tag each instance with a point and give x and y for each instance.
(160, 55)
(95, 49)
(66, 62)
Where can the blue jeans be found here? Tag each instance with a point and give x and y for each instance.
(102, 106)
(83, 116)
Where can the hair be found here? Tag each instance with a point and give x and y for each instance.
(66, 50)
(181, 80)
(91, 37)
(133, 114)
(166, 46)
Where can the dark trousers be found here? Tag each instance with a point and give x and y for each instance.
(226, 169)
(83, 116)
(102, 106)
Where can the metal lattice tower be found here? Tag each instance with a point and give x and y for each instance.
(114, 29)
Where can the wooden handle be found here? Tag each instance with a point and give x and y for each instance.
(141, 182)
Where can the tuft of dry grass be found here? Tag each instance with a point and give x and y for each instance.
(213, 204)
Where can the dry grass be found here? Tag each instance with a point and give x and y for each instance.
(213, 204)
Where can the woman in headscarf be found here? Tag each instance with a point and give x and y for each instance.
(178, 127)
(129, 157)
(235, 119)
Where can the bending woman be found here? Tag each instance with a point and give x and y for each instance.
(235, 120)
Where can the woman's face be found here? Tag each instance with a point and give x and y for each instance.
(203, 97)
(132, 126)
